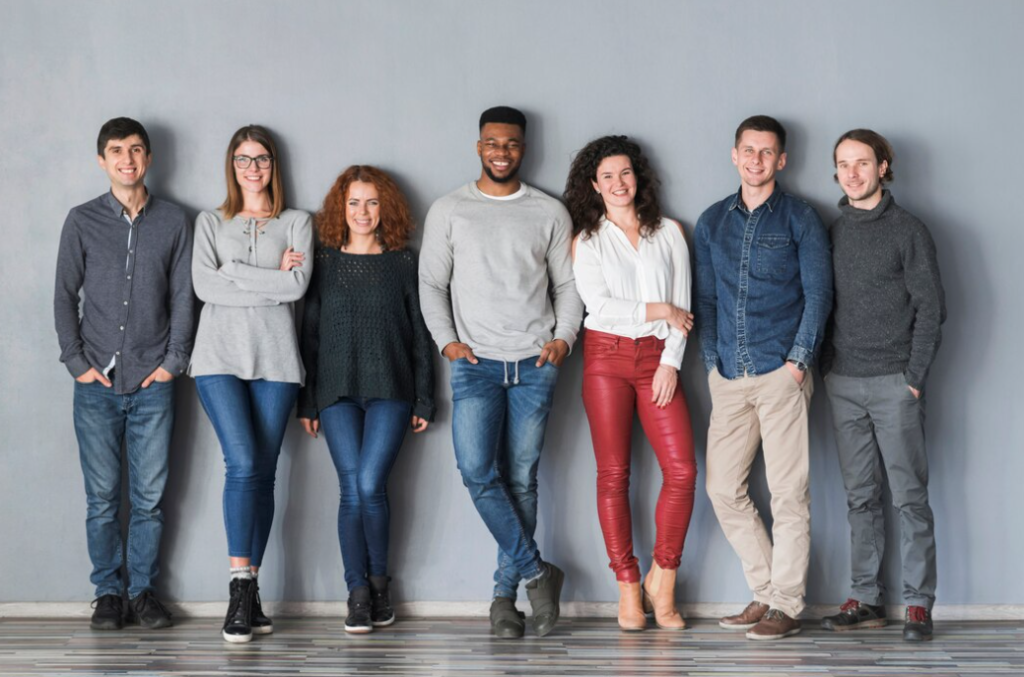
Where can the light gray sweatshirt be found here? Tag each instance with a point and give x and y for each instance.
(497, 274)
(247, 327)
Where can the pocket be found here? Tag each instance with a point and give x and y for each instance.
(773, 254)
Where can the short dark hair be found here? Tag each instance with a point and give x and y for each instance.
(878, 143)
(503, 115)
(762, 123)
(120, 128)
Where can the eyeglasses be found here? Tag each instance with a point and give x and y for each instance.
(262, 161)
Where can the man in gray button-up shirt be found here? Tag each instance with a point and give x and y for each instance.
(124, 342)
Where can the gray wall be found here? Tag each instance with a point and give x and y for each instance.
(400, 84)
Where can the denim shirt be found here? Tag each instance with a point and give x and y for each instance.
(764, 284)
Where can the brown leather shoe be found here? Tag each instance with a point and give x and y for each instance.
(775, 625)
(631, 612)
(746, 619)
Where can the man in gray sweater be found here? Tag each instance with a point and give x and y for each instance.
(499, 297)
(130, 253)
(883, 337)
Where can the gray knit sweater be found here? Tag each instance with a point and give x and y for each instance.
(497, 274)
(889, 301)
(247, 327)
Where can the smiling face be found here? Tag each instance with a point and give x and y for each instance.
(125, 161)
(757, 157)
(859, 173)
(253, 179)
(362, 208)
(501, 147)
(616, 181)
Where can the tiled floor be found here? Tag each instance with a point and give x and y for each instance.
(463, 647)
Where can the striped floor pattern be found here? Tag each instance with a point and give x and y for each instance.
(463, 647)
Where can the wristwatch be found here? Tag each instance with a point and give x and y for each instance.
(799, 365)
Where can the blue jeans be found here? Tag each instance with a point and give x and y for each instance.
(364, 436)
(500, 414)
(143, 420)
(250, 418)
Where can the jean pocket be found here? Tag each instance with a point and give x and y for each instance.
(773, 255)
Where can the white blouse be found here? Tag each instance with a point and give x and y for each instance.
(616, 282)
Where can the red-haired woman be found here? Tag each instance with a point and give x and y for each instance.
(632, 270)
(369, 366)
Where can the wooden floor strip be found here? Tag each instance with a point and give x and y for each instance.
(463, 647)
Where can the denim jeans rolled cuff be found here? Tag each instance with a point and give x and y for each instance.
(250, 418)
(498, 427)
(364, 437)
(144, 421)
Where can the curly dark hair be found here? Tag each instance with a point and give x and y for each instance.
(585, 204)
(396, 222)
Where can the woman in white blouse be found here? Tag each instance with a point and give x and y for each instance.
(632, 270)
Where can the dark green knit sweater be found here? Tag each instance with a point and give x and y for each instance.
(363, 334)
(889, 301)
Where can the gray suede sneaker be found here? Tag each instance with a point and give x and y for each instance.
(544, 593)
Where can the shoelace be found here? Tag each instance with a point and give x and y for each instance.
(773, 615)
(149, 598)
(850, 605)
(106, 601)
(917, 614)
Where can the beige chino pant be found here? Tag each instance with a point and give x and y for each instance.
(746, 411)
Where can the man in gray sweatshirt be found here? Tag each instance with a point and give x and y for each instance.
(124, 343)
(883, 337)
(499, 297)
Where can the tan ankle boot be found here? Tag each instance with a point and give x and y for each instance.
(631, 613)
(659, 596)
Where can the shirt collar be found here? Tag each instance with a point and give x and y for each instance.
(773, 199)
(118, 208)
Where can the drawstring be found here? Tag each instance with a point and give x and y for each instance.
(516, 381)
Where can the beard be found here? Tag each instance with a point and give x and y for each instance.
(502, 179)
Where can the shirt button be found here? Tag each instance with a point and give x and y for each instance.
(118, 352)
(131, 251)
(122, 327)
(129, 277)
(126, 303)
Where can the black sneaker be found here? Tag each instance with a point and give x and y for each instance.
(260, 622)
(855, 616)
(149, 612)
(108, 614)
(359, 620)
(381, 612)
(507, 622)
(918, 625)
(544, 593)
(237, 624)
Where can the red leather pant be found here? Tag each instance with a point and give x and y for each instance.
(617, 377)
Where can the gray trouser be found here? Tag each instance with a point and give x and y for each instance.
(878, 420)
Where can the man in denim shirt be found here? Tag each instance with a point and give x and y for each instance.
(764, 292)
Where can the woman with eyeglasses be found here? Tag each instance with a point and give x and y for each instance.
(369, 361)
(632, 270)
(249, 267)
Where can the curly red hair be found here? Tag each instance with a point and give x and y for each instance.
(396, 224)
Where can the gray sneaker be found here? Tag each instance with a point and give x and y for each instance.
(507, 622)
(544, 593)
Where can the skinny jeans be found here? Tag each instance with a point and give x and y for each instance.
(617, 377)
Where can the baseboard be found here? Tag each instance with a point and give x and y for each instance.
(948, 612)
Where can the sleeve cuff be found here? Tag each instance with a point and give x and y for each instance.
(175, 364)
(307, 412)
(568, 336)
(424, 410)
(801, 355)
(443, 341)
(77, 365)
